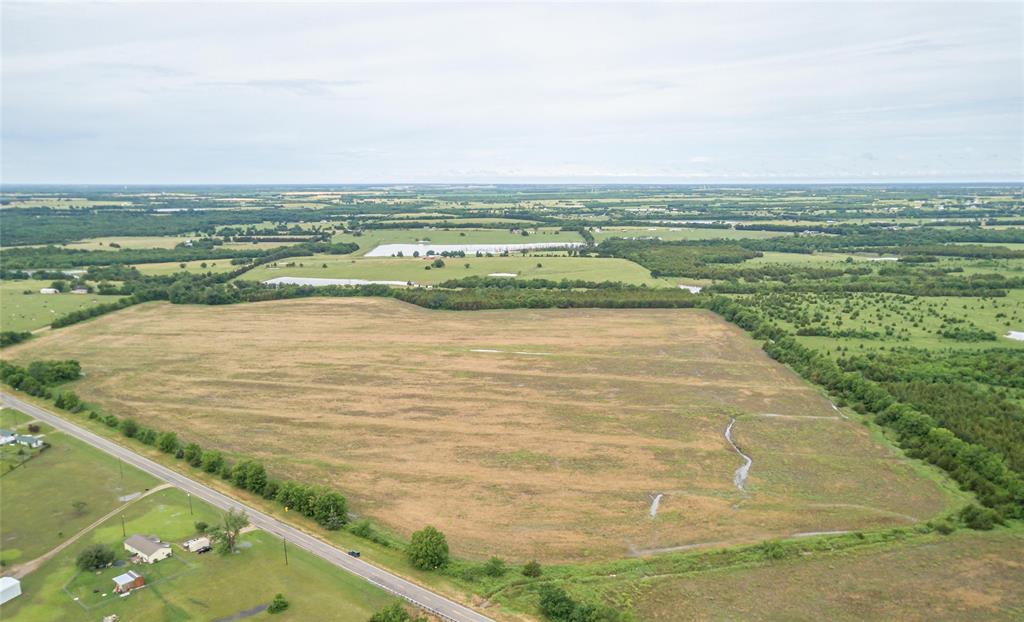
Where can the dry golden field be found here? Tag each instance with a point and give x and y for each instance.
(527, 433)
(965, 576)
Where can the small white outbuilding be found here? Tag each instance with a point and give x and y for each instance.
(9, 588)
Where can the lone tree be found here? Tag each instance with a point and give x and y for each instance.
(96, 556)
(428, 549)
(225, 535)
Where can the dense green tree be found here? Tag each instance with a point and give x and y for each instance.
(428, 549)
(95, 556)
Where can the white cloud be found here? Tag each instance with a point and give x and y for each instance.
(275, 92)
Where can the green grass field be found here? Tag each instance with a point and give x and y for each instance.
(35, 499)
(374, 237)
(680, 233)
(20, 311)
(190, 586)
(218, 265)
(915, 321)
(553, 266)
(186, 587)
(104, 244)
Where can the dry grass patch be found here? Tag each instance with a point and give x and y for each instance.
(967, 576)
(527, 433)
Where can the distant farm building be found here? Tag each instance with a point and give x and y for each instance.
(29, 441)
(49, 290)
(148, 549)
(9, 588)
(80, 290)
(7, 437)
(131, 580)
(196, 544)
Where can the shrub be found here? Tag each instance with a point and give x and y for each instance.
(555, 603)
(428, 549)
(278, 605)
(212, 461)
(129, 427)
(167, 442)
(495, 567)
(395, 612)
(202, 526)
(772, 549)
(532, 569)
(111, 421)
(193, 454)
(977, 517)
(68, 400)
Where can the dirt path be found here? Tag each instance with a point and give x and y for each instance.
(740, 476)
(19, 572)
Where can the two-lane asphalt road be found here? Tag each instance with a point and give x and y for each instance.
(427, 600)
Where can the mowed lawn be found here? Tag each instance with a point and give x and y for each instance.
(20, 311)
(574, 418)
(540, 266)
(36, 498)
(185, 587)
(964, 576)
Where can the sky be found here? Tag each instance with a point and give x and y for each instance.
(183, 93)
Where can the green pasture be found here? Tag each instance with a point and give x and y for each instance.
(104, 244)
(679, 233)
(172, 267)
(36, 499)
(190, 586)
(374, 237)
(554, 266)
(915, 320)
(20, 311)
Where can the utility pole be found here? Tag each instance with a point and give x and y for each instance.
(285, 543)
(124, 533)
(120, 468)
(189, 503)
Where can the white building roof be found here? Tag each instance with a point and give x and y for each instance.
(126, 578)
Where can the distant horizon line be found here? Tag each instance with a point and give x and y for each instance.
(795, 182)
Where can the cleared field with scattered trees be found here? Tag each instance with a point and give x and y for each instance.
(529, 433)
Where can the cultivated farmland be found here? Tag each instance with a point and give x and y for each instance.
(528, 433)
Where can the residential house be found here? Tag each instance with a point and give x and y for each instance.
(131, 580)
(33, 442)
(147, 548)
(7, 436)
